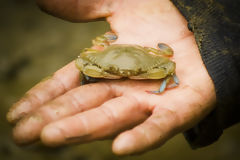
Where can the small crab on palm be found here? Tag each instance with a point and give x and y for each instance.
(115, 61)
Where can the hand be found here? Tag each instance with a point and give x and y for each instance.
(59, 111)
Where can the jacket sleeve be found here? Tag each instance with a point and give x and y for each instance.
(216, 27)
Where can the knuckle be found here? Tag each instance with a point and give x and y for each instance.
(139, 104)
(74, 102)
(59, 83)
(133, 100)
(33, 99)
(167, 118)
(109, 114)
(148, 137)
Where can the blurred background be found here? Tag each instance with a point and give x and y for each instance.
(32, 46)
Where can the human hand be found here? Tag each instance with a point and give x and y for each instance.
(60, 111)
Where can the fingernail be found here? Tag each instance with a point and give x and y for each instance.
(27, 130)
(18, 110)
(52, 136)
(122, 145)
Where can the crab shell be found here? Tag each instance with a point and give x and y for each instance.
(121, 60)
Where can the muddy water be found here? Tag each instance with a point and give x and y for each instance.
(32, 46)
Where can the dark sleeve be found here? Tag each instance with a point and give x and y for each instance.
(216, 27)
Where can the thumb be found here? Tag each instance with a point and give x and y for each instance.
(77, 10)
(156, 130)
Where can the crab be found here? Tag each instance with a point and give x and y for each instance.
(115, 61)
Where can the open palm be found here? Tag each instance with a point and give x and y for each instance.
(60, 111)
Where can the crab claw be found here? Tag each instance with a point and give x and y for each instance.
(105, 39)
(165, 49)
(111, 36)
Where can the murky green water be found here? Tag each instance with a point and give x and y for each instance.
(32, 46)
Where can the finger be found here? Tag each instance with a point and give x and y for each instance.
(162, 125)
(63, 80)
(172, 115)
(77, 100)
(102, 122)
(77, 10)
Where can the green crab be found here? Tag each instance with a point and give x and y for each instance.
(117, 61)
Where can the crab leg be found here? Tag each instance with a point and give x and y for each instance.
(164, 84)
(176, 82)
(162, 87)
(86, 80)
